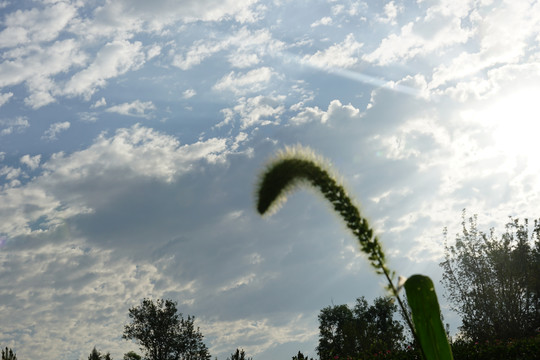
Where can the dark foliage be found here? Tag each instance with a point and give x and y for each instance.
(511, 349)
(163, 333)
(359, 332)
(522, 349)
(301, 356)
(96, 355)
(494, 283)
(8, 354)
(132, 355)
(239, 355)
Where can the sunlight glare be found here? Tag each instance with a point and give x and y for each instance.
(516, 122)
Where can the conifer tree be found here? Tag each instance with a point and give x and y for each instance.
(8, 354)
(239, 355)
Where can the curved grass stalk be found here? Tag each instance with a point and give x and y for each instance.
(297, 166)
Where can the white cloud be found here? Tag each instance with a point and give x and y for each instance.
(144, 16)
(35, 65)
(12, 36)
(87, 116)
(327, 20)
(239, 139)
(342, 55)
(31, 161)
(409, 43)
(34, 25)
(197, 53)
(259, 335)
(40, 95)
(411, 137)
(391, 10)
(308, 114)
(73, 184)
(13, 125)
(251, 14)
(337, 9)
(356, 7)
(452, 8)
(101, 102)
(243, 59)
(253, 81)
(212, 10)
(88, 281)
(154, 51)
(477, 49)
(495, 81)
(336, 112)
(114, 59)
(505, 33)
(189, 93)
(4, 98)
(123, 18)
(452, 161)
(140, 150)
(236, 283)
(10, 173)
(258, 110)
(248, 47)
(136, 108)
(55, 129)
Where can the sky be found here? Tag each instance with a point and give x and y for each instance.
(133, 134)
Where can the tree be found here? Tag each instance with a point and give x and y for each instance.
(379, 330)
(8, 354)
(163, 333)
(132, 355)
(96, 355)
(239, 355)
(364, 330)
(301, 356)
(336, 332)
(493, 283)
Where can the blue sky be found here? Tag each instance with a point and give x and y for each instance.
(132, 135)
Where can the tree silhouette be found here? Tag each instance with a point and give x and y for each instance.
(8, 354)
(163, 333)
(132, 355)
(493, 283)
(96, 355)
(239, 355)
(361, 331)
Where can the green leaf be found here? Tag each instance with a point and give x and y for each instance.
(426, 318)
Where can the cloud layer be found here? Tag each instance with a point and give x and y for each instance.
(132, 135)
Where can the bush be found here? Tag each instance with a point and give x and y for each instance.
(513, 349)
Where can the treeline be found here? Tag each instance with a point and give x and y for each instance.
(492, 282)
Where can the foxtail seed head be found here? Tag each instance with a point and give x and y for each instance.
(296, 166)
